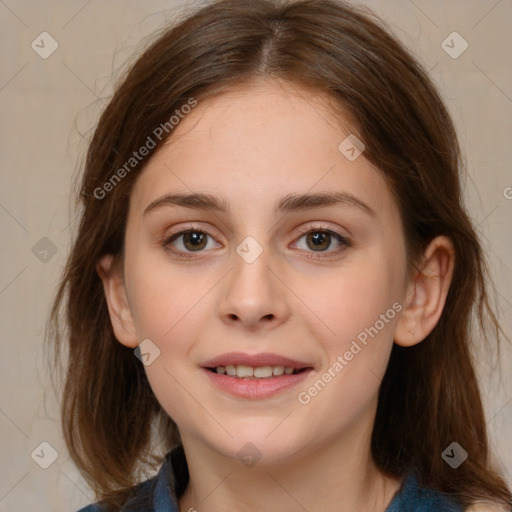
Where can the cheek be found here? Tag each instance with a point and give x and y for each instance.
(348, 302)
(170, 310)
(164, 298)
(358, 311)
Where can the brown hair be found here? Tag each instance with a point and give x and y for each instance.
(429, 396)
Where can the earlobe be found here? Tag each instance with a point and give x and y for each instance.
(118, 307)
(426, 293)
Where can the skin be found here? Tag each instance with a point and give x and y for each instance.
(251, 146)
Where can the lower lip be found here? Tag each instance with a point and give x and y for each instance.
(256, 388)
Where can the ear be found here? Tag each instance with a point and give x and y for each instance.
(121, 317)
(426, 293)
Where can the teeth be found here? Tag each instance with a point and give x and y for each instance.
(244, 371)
(231, 371)
(260, 372)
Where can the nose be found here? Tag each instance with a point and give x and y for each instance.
(254, 295)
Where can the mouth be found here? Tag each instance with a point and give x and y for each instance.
(255, 376)
(255, 366)
(255, 373)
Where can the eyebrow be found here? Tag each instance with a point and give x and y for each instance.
(287, 204)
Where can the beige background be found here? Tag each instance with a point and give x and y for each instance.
(48, 107)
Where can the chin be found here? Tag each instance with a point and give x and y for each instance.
(256, 446)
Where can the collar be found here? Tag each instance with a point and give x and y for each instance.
(162, 492)
(171, 481)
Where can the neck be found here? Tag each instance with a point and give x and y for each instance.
(339, 475)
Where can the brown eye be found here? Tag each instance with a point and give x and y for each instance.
(186, 242)
(194, 240)
(318, 240)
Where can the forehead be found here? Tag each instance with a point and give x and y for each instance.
(253, 144)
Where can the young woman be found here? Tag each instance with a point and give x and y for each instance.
(273, 280)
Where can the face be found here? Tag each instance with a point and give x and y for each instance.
(268, 275)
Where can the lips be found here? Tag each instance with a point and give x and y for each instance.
(255, 360)
(232, 374)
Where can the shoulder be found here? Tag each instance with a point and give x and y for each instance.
(414, 497)
(429, 500)
(139, 500)
(486, 507)
(157, 493)
(91, 508)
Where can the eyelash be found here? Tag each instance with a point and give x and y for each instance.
(345, 243)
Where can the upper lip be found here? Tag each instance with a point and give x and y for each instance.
(254, 360)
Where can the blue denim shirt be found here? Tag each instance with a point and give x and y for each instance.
(160, 493)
